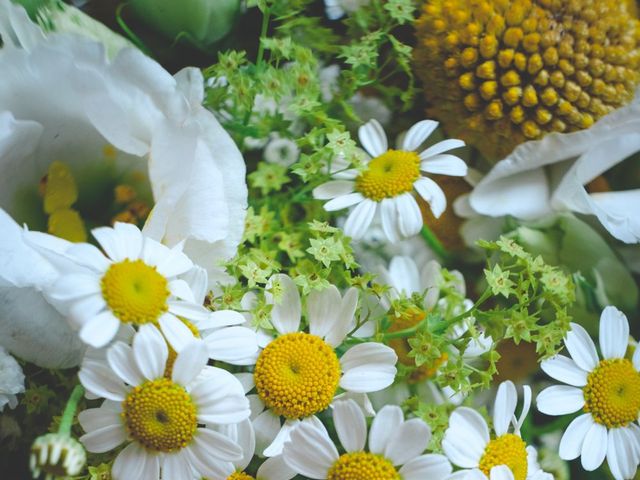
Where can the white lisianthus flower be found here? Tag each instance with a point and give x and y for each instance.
(468, 443)
(63, 99)
(339, 8)
(550, 174)
(396, 447)
(11, 380)
(166, 418)
(607, 392)
(385, 186)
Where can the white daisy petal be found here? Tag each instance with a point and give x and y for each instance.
(180, 289)
(70, 287)
(408, 441)
(212, 444)
(113, 244)
(614, 333)
(343, 201)
(441, 147)
(594, 448)
(286, 311)
(360, 219)
(417, 134)
(130, 239)
(222, 318)
(266, 426)
(501, 472)
(283, 436)
(122, 362)
(176, 466)
(581, 347)
(129, 463)
(104, 439)
(333, 189)
(621, 456)
(465, 439)
(445, 164)
(345, 321)
(150, 351)
(97, 418)
(191, 311)
(232, 344)
(388, 217)
(504, 407)
(89, 255)
(173, 264)
(432, 194)
(83, 310)
(564, 370)
(98, 379)
(100, 330)
(560, 400)
(409, 216)
(373, 138)
(573, 437)
(426, 466)
(323, 307)
(636, 359)
(175, 331)
(190, 362)
(309, 452)
(275, 468)
(387, 421)
(350, 425)
(368, 367)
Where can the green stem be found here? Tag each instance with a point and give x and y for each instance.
(435, 244)
(263, 34)
(70, 410)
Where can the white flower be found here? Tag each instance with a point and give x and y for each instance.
(469, 445)
(54, 454)
(389, 179)
(62, 99)
(282, 151)
(338, 8)
(393, 442)
(312, 359)
(607, 391)
(550, 174)
(11, 380)
(135, 283)
(165, 419)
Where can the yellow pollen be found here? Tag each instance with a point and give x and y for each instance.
(171, 359)
(509, 450)
(160, 415)
(135, 292)
(612, 393)
(389, 175)
(297, 375)
(239, 476)
(362, 466)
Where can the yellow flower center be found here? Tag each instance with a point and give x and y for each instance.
(389, 175)
(160, 415)
(362, 466)
(135, 292)
(612, 393)
(171, 359)
(297, 375)
(509, 450)
(239, 476)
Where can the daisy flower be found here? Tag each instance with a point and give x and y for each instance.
(505, 456)
(607, 391)
(166, 420)
(135, 283)
(299, 373)
(393, 442)
(387, 182)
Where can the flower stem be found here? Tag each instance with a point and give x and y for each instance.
(70, 410)
(263, 34)
(435, 244)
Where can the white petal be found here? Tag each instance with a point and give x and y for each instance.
(343, 201)
(560, 400)
(368, 367)
(101, 381)
(309, 452)
(104, 439)
(333, 189)
(190, 362)
(97, 418)
(581, 347)
(360, 219)
(441, 147)
(189, 310)
(266, 426)
(621, 456)
(345, 321)
(232, 344)
(173, 264)
(501, 472)
(426, 466)
(432, 194)
(281, 438)
(114, 245)
(594, 448)
(180, 289)
(176, 466)
(150, 351)
(417, 134)
(373, 138)
(323, 308)
(275, 468)
(408, 441)
(387, 421)
(505, 407)
(175, 331)
(89, 255)
(614, 333)
(636, 359)
(100, 330)
(222, 318)
(465, 439)
(573, 437)
(409, 216)
(122, 362)
(389, 218)
(350, 425)
(564, 370)
(286, 311)
(130, 463)
(444, 164)
(211, 444)
(71, 287)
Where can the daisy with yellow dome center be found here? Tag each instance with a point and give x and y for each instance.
(136, 281)
(607, 391)
(396, 447)
(298, 374)
(469, 444)
(167, 422)
(390, 177)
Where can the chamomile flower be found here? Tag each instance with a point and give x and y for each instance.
(135, 283)
(166, 421)
(607, 391)
(393, 442)
(387, 182)
(504, 456)
(298, 374)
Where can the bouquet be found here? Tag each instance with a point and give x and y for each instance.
(330, 239)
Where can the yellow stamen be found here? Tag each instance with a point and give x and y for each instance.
(509, 450)
(389, 175)
(239, 476)
(362, 466)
